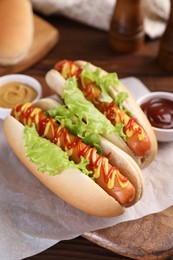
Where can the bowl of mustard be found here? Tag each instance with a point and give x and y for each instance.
(17, 89)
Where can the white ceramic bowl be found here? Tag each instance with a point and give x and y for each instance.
(24, 79)
(163, 135)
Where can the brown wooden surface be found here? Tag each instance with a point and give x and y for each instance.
(45, 37)
(151, 236)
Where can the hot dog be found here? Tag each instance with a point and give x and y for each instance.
(133, 132)
(115, 179)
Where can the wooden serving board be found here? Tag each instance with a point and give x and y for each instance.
(150, 237)
(45, 38)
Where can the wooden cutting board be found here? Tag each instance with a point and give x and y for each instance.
(149, 238)
(45, 38)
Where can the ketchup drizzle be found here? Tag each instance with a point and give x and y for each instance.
(42, 125)
(130, 126)
(73, 69)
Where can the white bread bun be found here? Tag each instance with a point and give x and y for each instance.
(137, 113)
(117, 157)
(71, 185)
(46, 103)
(16, 30)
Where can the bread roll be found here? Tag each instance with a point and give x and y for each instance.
(16, 30)
(71, 185)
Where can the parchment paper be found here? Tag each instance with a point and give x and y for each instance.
(33, 219)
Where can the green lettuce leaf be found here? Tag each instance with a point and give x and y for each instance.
(47, 156)
(78, 105)
(120, 97)
(103, 82)
(89, 74)
(119, 130)
(80, 116)
(76, 126)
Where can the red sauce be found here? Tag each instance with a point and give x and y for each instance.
(109, 175)
(110, 110)
(42, 125)
(82, 151)
(88, 89)
(71, 68)
(122, 178)
(159, 112)
(130, 127)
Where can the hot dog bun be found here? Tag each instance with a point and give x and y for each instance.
(117, 157)
(137, 113)
(83, 193)
(16, 30)
(57, 83)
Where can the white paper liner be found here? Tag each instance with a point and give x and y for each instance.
(33, 219)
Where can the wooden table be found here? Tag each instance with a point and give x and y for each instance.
(78, 41)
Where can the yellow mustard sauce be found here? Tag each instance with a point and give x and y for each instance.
(14, 93)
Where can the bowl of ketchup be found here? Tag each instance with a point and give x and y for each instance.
(158, 107)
